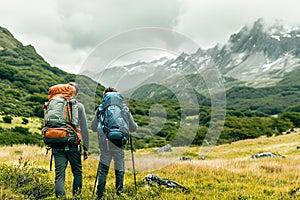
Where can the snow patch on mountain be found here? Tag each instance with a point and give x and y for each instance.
(277, 37)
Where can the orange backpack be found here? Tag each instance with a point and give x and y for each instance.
(61, 117)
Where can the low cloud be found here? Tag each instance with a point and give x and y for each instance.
(212, 22)
(65, 32)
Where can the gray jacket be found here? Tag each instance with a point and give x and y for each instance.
(83, 126)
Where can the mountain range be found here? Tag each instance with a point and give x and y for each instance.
(259, 56)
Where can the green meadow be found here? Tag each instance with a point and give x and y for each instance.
(228, 172)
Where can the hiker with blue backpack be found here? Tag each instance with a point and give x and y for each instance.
(64, 125)
(113, 123)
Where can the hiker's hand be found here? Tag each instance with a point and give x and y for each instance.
(85, 154)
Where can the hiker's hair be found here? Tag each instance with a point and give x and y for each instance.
(109, 89)
(74, 85)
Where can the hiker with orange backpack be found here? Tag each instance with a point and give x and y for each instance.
(64, 115)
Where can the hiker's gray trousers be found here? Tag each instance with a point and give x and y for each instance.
(61, 158)
(105, 159)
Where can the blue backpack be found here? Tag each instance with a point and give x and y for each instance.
(114, 117)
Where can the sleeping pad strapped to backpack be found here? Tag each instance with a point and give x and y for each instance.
(61, 117)
(114, 117)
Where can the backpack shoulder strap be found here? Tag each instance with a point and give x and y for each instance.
(100, 114)
(99, 111)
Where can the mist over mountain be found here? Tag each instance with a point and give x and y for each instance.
(258, 56)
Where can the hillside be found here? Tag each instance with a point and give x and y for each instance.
(282, 97)
(25, 78)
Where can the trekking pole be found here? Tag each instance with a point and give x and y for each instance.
(131, 148)
(51, 159)
(96, 179)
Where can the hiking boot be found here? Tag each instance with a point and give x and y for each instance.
(119, 192)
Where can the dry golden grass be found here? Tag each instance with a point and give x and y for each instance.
(228, 172)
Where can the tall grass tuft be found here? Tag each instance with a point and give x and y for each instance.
(26, 180)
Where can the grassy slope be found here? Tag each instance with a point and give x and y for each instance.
(227, 173)
(34, 124)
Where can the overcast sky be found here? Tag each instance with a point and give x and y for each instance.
(65, 32)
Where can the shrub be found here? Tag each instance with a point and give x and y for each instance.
(25, 120)
(7, 119)
(22, 130)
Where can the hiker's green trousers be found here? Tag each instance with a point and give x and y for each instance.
(61, 158)
(105, 159)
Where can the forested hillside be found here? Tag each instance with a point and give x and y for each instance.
(270, 100)
(25, 78)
